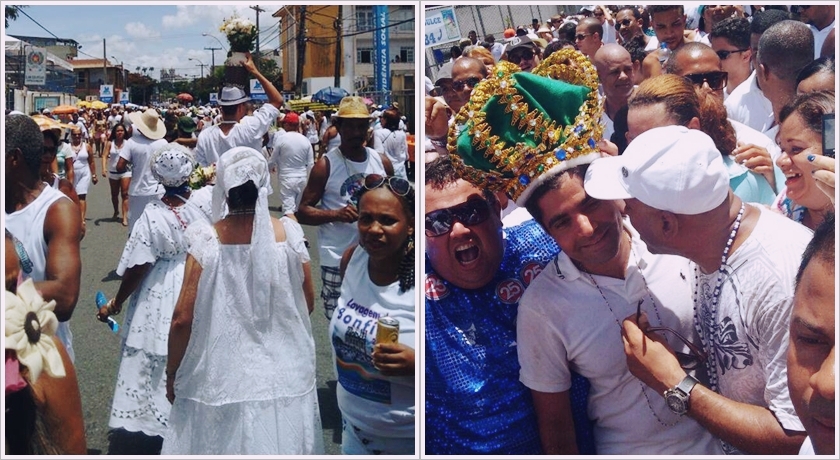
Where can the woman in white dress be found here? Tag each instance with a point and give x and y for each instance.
(241, 367)
(375, 388)
(84, 169)
(152, 270)
(119, 181)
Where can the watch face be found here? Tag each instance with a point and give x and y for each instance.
(676, 403)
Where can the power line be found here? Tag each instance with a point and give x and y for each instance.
(20, 10)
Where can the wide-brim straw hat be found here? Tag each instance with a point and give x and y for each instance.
(48, 124)
(148, 123)
(352, 107)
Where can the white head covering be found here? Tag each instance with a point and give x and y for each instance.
(172, 164)
(234, 168)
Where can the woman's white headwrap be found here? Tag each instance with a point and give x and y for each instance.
(234, 168)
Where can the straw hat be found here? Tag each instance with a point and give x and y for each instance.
(352, 107)
(148, 123)
(48, 124)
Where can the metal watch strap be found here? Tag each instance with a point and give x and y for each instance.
(687, 384)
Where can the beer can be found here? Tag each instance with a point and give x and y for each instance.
(387, 330)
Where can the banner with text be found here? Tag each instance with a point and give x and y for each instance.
(441, 27)
(36, 67)
(381, 45)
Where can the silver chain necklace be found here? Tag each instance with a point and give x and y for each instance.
(618, 323)
(706, 340)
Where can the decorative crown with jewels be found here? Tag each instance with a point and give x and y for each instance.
(520, 128)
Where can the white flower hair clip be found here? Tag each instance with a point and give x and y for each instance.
(30, 325)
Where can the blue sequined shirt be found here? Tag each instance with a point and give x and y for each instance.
(475, 403)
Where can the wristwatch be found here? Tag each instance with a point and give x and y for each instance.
(678, 397)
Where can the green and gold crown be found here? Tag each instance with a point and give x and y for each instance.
(520, 128)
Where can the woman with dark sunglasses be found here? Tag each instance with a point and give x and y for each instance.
(375, 388)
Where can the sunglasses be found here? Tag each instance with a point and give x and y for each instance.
(472, 212)
(688, 361)
(716, 80)
(580, 37)
(516, 58)
(460, 85)
(398, 185)
(723, 54)
(624, 23)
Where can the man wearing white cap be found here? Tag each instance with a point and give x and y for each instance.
(236, 129)
(147, 138)
(744, 261)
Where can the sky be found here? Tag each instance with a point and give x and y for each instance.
(146, 35)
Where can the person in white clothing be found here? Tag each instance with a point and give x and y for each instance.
(783, 51)
(616, 74)
(119, 182)
(327, 198)
(292, 157)
(146, 139)
(84, 170)
(747, 102)
(375, 371)
(743, 263)
(391, 141)
(820, 19)
(45, 224)
(236, 129)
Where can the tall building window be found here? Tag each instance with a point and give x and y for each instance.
(364, 18)
(364, 55)
(404, 13)
(407, 54)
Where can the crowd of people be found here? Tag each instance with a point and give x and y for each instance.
(625, 213)
(217, 350)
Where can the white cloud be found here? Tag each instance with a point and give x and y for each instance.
(209, 15)
(140, 30)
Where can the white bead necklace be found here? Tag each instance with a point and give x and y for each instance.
(701, 326)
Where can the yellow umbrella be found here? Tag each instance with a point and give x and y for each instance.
(98, 105)
(83, 104)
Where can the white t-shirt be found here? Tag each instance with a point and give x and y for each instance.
(292, 155)
(138, 151)
(394, 145)
(367, 399)
(748, 105)
(345, 178)
(564, 325)
(750, 327)
(820, 36)
(212, 142)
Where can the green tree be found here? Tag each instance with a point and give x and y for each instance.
(12, 13)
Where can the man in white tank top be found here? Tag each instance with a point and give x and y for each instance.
(327, 198)
(44, 222)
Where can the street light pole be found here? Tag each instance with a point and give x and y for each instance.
(201, 64)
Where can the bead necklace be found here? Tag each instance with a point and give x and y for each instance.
(617, 322)
(706, 341)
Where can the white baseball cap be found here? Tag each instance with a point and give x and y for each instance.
(671, 168)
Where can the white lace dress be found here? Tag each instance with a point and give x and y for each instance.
(246, 385)
(158, 237)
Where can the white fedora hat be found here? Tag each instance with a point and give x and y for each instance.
(232, 95)
(148, 123)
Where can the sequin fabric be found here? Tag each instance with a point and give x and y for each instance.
(475, 403)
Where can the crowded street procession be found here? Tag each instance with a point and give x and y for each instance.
(222, 261)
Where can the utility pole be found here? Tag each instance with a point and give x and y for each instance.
(212, 59)
(104, 62)
(258, 10)
(337, 26)
(301, 48)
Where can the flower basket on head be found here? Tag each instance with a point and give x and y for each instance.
(241, 34)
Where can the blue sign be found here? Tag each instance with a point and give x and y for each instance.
(381, 44)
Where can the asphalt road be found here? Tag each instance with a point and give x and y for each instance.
(98, 349)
